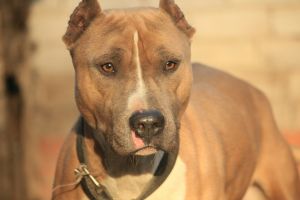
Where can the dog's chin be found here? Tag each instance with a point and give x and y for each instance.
(146, 151)
(143, 151)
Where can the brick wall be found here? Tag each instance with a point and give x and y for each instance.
(257, 40)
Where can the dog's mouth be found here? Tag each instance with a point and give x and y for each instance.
(142, 148)
(145, 151)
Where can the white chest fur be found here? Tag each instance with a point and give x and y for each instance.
(174, 187)
(129, 187)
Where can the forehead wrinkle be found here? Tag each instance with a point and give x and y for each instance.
(167, 53)
(113, 28)
(113, 54)
(140, 40)
(144, 51)
(153, 21)
(154, 24)
(112, 22)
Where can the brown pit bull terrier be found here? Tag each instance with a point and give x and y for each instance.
(154, 127)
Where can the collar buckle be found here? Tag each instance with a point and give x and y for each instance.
(82, 171)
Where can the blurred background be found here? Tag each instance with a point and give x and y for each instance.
(256, 40)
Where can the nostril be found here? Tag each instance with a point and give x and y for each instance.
(147, 123)
(141, 127)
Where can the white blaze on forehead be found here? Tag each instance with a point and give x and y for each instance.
(137, 98)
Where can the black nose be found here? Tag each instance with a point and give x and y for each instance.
(147, 124)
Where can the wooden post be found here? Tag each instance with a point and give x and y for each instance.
(15, 51)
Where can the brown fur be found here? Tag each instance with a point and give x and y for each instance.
(227, 135)
(81, 18)
(177, 15)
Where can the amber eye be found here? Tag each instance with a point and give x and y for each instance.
(171, 65)
(108, 68)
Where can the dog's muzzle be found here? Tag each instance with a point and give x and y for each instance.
(145, 126)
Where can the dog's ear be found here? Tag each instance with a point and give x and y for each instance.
(81, 18)
(177, 15)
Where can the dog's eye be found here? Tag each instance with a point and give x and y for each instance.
(171, 66)
(108, 68)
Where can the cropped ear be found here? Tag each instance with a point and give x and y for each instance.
(81, 18)
(178, 17)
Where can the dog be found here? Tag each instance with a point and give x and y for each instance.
(154, 126)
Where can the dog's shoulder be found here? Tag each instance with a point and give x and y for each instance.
(210, 78)
(210, 75)
(215, 90)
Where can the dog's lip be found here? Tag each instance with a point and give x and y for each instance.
(146, 150)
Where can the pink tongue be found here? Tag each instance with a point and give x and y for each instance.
(138, 142)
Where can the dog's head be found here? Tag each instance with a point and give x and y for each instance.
(133, 73)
